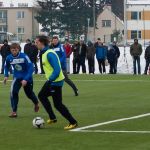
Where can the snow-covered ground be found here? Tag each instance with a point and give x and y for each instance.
(125, 63)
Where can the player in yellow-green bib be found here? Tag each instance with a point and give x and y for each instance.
(53, 85)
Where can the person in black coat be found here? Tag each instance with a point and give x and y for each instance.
(31, 51)
(147, 58)
(117, 54)
(82, 55)
(5, 51)
(112, 56)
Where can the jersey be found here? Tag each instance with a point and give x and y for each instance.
(22, 66)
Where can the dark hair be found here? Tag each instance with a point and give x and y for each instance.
(15, 45)
(44, 39)
(55, 37)
(28, 40)
(98, 39)
(5, 41)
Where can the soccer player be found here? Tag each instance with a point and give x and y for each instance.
(60, 51)
(22, 76)
(54, 83)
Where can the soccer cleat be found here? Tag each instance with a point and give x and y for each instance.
(49, 121)
(36, 108)
(13, 115)
(76, 93)
(71, 126)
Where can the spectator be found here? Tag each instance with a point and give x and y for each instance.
(101, 54)
(82, 55)
(75, 50)
(67, 47)
(136, 51)
(111, 56)
(31, 51)
(90, 57)
(5, 51)
(147, 58)
(117, 54)
(35, 55)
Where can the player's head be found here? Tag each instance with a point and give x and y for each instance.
(15, 48)
(55, 40)
(42, 41)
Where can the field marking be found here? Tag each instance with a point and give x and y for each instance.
(109, 122)
(94, 80)
(111, 131)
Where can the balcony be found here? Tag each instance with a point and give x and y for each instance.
(3, 20)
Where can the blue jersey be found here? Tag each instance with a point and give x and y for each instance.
(60, 51)
(22, 66)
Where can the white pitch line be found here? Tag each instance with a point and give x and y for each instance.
(111, 131)
(109, 122)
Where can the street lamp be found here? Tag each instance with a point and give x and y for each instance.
(88, 19)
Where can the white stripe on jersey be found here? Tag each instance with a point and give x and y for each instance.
(29, 61)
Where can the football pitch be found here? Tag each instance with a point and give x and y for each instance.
(113, 113)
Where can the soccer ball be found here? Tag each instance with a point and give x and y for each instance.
(38, 122)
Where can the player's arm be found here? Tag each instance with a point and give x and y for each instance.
(53, 60)
(6, 69)
(63, 55)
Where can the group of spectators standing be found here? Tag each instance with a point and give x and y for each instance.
(104, 55)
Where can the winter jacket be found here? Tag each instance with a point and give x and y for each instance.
(136, 49)
(90, 52)
(5, 50)
(101, 52)
(147, 53)
(111, 55)
(117, 50)
(68, 50)
(75, 50)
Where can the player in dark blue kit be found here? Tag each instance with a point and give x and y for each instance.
(22, 76)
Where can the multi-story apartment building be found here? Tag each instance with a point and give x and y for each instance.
(19, 20)
(138, 21)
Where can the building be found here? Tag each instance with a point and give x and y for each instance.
(109, 27)
(138, 21)
(19, 20)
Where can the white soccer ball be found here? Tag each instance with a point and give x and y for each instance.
(38, 122)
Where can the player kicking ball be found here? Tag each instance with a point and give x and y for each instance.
(54, 83)
(22, 76)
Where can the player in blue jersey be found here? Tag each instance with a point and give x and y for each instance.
(60, 51)
(22, 76)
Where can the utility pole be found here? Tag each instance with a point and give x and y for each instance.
(125, 23)
(94, 2)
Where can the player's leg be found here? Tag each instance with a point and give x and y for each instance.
(57, 99)
(28, 89)
(69, 82)
(43, 95)
(15, 87)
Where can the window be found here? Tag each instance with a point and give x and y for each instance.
(136, 34)
(106, 23)
(135, 15)
(3, 14)
(20, 30)
(3, 28)
(20, 14)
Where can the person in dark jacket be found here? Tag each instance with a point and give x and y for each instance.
(35, 55)
(147, 58)
(91, 56)
(75, 50)
(5, 51)
(111, 56)
(136, 51)
(31, 51)
(101, 54)
(117, 54)
(82, 55)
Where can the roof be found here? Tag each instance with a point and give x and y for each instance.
(138, 2)
(15, 3)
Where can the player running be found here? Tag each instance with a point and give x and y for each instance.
(22, 76)
(54, 83)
